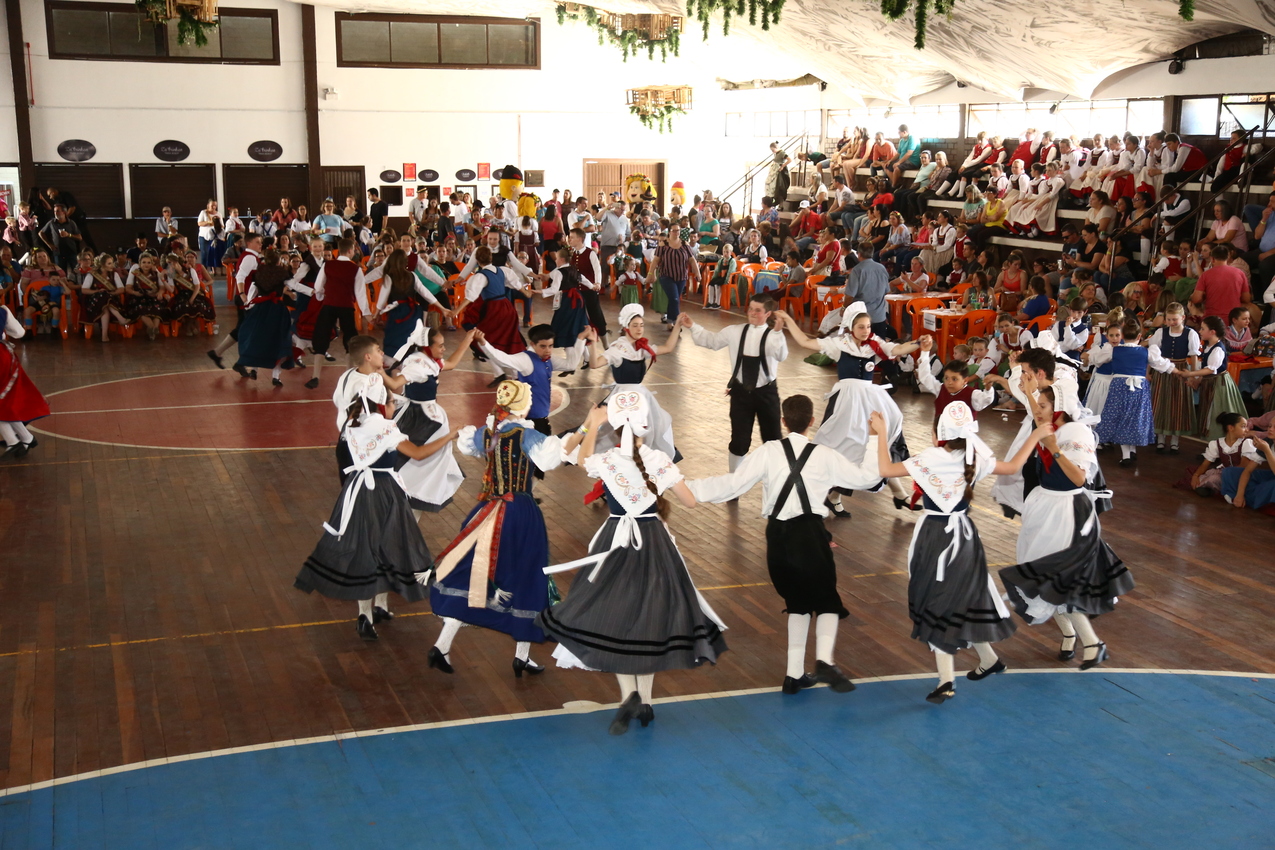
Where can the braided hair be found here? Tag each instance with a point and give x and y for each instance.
(958, 445)
(661, 503)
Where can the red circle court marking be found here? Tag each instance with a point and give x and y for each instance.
(198, 411)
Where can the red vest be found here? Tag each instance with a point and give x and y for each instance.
(944, 398)
(338, 287)
(1195, 158)
(252, 274)
(583, 263)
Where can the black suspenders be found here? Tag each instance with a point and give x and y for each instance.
(795, 465)
(761, 356)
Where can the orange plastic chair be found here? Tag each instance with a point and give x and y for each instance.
(821, 307)
(63, 311)
(976, 323)
(747, 271)
(914, 308)
(796, 296)
(229, 266)
(774, 266)
(960, 288)
(1040, 323)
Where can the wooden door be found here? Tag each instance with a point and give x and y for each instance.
(341, 181)
(259, 187)
(607, 176)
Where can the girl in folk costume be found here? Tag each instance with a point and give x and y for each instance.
(629, 357)
(1127, 414)
(1101, 162)
(1039, 213)
(1132, 159)
(1172, 402)
(527, 239)
(1065, 570)
(857, 351)
(403, 300)
(1100, 378)
(265, 338)
(1229, 451)
(630, 282)
(1020, 212)
(101, 295)
(430, 482)
(372, 544)
(486, 306)
(633, 610)
(143, 288)
(492, 575)
(188, 302)
(1217, 390)
(20, 401)
(951, 598)
(796, 476)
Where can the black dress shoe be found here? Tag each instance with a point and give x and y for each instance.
(329, 357)
(905, 505)
(31, 445)
(941, 694)
(629, 709)
(379, 615)
(976, 675)
(1101, 656)
(645, 715)
(439, 661)
(531, 667)
(10, 451)
(792, 686)
(1067, 649)
(366, 630)
(837, 510)
(216, 358)
(1160, 448)
(312, 384)
(20, 450)
(276, 382)
(253, 374)
(1126, 462)
(831, 675)
(239, 368)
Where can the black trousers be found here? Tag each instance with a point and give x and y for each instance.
(593, 306)
(760, 404)
(801, 566)
(1177, 178)
(239, 311)
(329, 317)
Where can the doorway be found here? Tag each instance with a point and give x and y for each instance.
(607, 176)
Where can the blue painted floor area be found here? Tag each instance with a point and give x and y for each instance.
(1107, 760)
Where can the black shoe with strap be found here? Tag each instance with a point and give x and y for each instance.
(528, 666)
(831, 675)
(439, 661)
(365, 628)
(977, 675)
(941, 694)
(629, 709)
(792, 686)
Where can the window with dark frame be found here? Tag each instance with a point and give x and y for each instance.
(117, 32)
(423, 41)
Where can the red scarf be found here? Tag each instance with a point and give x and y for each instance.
(1046, 456)
(876, 347)
(643, 344)
(598, 491)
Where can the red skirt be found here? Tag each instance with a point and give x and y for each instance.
(499, 323)
(1122, 187)
(20, 401)
(305, 322)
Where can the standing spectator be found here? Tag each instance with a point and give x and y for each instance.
(210, 230)
(581, 219)
(613, 230)
(416, 208)
(676, 263)
(73, 212)
(63, 238)
(1221, 287)
(284, 216)
(378, 211)
(328, 225)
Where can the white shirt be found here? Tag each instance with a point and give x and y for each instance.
(360, 286)
(1073, 163)
(416, 209)
(206, 229)
(1244, 446)
(825, 469)
(582, 220)
(165, 228)
(299, 226)
(1160, 339)
(932, 385)
(522, 364)
(728, 338)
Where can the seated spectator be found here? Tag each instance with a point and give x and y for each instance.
(853, 155)
(899, 239)
(881, 157)
(1011, 282)
(1227, 229)
(915, 279)
(907, 155)
(942, 244)
(991, 221)
(1101, 213)
(979, 296)
(913, 201)
(1238, 338)
(1221, 288)
(1037, 302)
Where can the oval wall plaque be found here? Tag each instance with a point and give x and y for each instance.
(77, 150)
(171, 150)
(427, 176)
(465, 175)
(496, 175)
(265, 151)
(390, 176)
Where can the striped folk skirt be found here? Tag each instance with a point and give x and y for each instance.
(1173, 404)
(1218, 395)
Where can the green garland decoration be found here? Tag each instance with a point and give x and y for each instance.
(189, 27)
(629, 41)
(703, 11)
(657, 117)
(896, 9)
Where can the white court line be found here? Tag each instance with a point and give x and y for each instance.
(556, 712)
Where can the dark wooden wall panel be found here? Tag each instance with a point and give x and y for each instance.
(185, 188)
(260, 187)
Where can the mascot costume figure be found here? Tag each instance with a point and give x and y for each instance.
(511, 190)
(678, 194)
(638, 188)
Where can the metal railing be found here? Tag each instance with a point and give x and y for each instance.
(743, 186)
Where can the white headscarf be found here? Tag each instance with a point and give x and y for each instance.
(852, 312)
(957, 422)
(628, 313)
(419, 337)
(628, 409)
(371, 388)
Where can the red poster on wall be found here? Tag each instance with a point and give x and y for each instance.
(409, 192)
(409, 171)
(484, 171)
(447, 191)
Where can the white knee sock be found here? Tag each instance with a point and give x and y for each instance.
(628, 685)
(834, 497)
(825, 637)
(1064, 623)
(382, 601)
(365, 609)
(986, 655)
(21, 432)
(276, 372)
(1173, 441)
(1087, 635)
(896, 488)
(417, 514)
(798, 629)
(447, 635)
(224, 345)
(1125, 452)
(644, 685)
(734, 461)
(947, 666)
(522, 650)
(7, 434)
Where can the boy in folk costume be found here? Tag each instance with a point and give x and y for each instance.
(796, 477)
(535, 366)
(340, 286)
(486, 306)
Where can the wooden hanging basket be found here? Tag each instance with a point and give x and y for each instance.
(655, 97)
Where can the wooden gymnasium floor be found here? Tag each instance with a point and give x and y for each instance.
(148, 602)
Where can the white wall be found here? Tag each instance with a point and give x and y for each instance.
(8, 127)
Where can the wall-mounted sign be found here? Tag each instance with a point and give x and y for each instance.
(409, 171)
(498, 174)
(171, 150)
(409, 192)
(465, 175)
(484, 171)
(77, 150)
(447, 192)
(390, 176)
(535, 178)
(265, 151)
(427, 176)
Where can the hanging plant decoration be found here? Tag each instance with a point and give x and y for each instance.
(703, 10)
(896, 9)
(630, 33)
(195, 18)
(655, 106)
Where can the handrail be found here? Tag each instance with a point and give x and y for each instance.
(746, 181)
(1207, 204)
(1204, 170)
